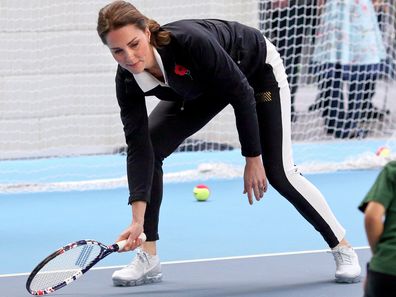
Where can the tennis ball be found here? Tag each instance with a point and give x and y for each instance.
(383, 152)
(201, 192)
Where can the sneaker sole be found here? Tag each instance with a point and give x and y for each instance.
(348, 280)
(132, 283)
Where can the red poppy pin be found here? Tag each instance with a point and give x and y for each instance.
(182, 71)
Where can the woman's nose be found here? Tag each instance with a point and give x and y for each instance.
(129, 55)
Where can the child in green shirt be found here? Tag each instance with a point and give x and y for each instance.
(379, 207)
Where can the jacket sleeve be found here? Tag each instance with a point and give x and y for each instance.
(140, 156)
(224, 77)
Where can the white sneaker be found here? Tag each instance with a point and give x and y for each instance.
(347, 265)
(143, 269)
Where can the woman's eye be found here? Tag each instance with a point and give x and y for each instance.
(133, 45)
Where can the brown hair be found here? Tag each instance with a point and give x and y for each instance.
(121, 13)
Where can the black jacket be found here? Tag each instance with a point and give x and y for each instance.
(224, 60)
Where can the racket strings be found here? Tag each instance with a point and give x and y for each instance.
(64, 266)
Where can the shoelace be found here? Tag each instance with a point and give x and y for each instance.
(141, 257)
(342, 257)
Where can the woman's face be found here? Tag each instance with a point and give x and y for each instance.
(131, 48)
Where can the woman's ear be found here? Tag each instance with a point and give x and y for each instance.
(148, 34)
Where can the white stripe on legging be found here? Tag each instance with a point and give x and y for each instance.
(311, 194)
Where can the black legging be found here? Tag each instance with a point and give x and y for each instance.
(170, 126)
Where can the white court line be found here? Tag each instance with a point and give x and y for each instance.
(209, 260)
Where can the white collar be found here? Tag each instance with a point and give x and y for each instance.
(146, 80)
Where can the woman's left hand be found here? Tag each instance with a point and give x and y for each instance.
(255, 180)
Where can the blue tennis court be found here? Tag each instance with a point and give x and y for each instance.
(209, 248)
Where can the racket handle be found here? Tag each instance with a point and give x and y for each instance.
(122, 243)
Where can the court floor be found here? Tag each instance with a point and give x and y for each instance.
(297, 275)
(295, 263)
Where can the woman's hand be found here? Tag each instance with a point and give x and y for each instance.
(131, 234)
(133, 231)
(255, 180)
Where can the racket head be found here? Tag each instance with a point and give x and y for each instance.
(66, 265)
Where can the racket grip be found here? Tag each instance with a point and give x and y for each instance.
(122, 243)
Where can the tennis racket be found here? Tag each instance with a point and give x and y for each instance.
(68, 264)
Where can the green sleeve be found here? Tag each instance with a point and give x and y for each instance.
(383, 189)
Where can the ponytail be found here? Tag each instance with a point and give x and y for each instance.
(159, 37)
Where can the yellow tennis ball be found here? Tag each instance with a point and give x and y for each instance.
(201, 192)
(383, 152)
